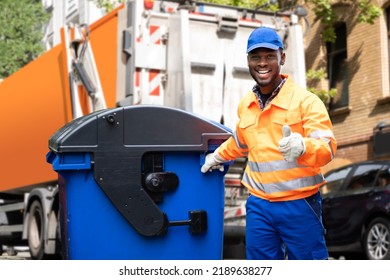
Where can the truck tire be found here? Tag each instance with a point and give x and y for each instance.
(35, 231)
(377, 240)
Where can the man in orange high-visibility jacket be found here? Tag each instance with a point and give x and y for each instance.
(286, 133)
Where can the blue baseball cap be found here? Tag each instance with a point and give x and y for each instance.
(264, 37)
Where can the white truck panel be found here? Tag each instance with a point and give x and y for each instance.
(207, 69)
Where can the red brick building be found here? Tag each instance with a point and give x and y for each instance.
(357, 65)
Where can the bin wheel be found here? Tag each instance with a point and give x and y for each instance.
(36, 229)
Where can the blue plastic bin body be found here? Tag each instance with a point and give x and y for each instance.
(92, 228)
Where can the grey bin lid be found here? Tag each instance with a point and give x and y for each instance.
(118, 138)
(137, 128)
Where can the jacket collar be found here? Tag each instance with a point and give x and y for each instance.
(283, 98)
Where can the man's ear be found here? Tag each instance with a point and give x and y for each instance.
(282, 58)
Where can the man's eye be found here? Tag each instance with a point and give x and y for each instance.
(269, 57)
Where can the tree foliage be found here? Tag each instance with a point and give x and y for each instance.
(107, 5)
(313, 78)
(21, 33)
(365, 11)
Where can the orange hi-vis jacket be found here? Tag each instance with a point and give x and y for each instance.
(267, 174)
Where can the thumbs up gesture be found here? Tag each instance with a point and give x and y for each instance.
(291, 145)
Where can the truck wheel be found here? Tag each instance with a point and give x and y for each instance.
(377, 240)
(36, 228)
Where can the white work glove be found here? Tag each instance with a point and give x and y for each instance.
(212, 161)
(292, 145)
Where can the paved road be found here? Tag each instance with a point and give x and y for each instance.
(19, 253)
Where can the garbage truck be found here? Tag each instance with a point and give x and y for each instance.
(187, 55)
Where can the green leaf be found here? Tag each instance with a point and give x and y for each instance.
(21, 33)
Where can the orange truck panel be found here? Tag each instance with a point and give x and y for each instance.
(33, 107)
(36, 102)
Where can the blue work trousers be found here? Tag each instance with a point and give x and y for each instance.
(286, 229)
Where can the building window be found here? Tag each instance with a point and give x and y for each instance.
(338, 67)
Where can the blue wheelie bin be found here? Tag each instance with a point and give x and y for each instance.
(130, 185)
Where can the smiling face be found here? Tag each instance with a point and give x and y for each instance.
(264, 66)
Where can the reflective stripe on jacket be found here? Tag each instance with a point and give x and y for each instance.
(267, 174)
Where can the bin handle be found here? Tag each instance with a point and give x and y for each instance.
(197, 221)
